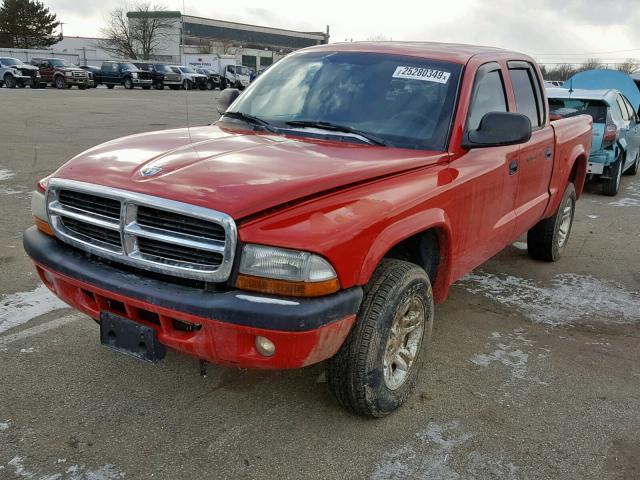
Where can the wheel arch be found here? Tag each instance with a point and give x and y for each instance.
(407, 240)
(578, 173)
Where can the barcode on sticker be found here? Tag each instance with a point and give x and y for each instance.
(419, 73)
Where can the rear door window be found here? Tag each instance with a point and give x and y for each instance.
(488, 94)
(527, 92)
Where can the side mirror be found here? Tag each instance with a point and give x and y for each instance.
(227, 97)
(498, 129)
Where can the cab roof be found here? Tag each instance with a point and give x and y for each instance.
(452, 52)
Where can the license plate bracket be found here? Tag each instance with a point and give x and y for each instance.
(130, 338)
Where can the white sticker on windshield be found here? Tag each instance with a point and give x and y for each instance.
(425, 74)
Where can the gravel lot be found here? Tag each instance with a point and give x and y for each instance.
(534, 371)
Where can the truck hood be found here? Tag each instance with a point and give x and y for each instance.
(236, 172)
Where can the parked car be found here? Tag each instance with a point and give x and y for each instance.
(615, 147)
(552, 83)
(125, 74)
(57, 72)
(161, 75)
(189, 78)
(312, 222)
(93, 73)
(213, 79)
(15, 73)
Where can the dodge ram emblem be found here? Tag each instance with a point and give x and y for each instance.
(150, 171)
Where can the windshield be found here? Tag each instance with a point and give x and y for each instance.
(569, 107)
(240, 70)
(405, 101)
(58, 63)
(187, 70)
(128, 66)
(10, 61)
(161, 68)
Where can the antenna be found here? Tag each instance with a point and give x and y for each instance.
(186, 92)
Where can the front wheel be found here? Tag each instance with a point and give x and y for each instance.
(128, 83)
(210, 85)
(159, 85)
(9, 81)
(60, 82)
(633, 170)
(549, 237)
(376, 369)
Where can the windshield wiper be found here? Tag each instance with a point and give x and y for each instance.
(333, 127)
(249, 119)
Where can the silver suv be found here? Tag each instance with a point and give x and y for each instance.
(15, 73)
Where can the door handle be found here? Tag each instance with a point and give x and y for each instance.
(513, 167)
(548, 153)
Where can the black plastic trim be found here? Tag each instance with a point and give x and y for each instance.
(280, 313)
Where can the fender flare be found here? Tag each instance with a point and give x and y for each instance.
(407, 227)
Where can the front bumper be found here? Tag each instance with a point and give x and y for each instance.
(77, 81)
(141, 81)
(219, 327)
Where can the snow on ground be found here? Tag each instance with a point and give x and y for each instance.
(430, 453)
(631, 198)
(20, 307)
(570, 298)
(73, 472)
(6, 174)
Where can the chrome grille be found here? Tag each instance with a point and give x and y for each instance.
(148, 232)
(79, 73)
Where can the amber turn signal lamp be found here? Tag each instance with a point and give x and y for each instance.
(43, 226)
(287, 288)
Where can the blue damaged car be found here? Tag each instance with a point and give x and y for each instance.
(612, 98)
(615, 142)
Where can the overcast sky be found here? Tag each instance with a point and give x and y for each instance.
(550, 30)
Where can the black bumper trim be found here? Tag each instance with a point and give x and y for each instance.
(292, 314)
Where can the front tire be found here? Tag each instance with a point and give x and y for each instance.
(159, 85)
(548, 239)
(210, 85)
(633, 170)
(9, 81)
(611, 185)
(60, 82)
(128, 83)
(376, 369)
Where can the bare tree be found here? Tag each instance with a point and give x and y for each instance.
(591, 64)
(630, 65)
(135, 30)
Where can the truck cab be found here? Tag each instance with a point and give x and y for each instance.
(125, 74)
(58, 73)
(235, 76)
(321, 218)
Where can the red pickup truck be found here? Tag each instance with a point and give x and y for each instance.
(337, 198)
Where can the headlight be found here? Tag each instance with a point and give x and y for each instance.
(39, 208)
(286, 272)
(134, 75)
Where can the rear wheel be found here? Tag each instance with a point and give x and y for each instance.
(549, 237)
(9, 81)
(376, 369)
(611, 185)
